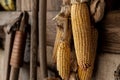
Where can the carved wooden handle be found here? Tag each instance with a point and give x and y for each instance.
(18, 49)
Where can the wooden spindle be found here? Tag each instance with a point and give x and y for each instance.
(34, 41)
(17, 56)
(42, 38)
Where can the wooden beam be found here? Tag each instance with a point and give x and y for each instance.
(53, 5)
(109, 31)
(42, 38)
(18, 5)
(8, 49)
(26, 5)
(34, 40)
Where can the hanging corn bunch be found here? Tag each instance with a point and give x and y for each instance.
(8, 4)
(86, 74)
(81, 28)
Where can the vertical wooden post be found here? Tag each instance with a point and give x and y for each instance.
(42, 38)
(8, 49)
(34, 40)
(14, 75)
(18, 5)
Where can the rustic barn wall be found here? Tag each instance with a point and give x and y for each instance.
(106, 63)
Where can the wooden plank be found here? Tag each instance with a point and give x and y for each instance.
(42, 38)
(106, 64)
(8, 48)
(6, 17)
(53, 5)
(1, 63)
(110, 32)
(34, 40)
(25, 72)
(18, 5)
(51, 28)
(26, 5)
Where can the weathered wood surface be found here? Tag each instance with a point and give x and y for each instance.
(51, 30)
(18, 5)
(7, 54)
(52, 5)
(106, 64)
(34, 40)
(42, 38)
(110, 32)
(26, 5)
(2, 64)
(24, 72)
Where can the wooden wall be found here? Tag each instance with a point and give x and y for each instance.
(53, 6)
(106, 63)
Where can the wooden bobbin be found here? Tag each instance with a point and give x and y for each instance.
(18, 50)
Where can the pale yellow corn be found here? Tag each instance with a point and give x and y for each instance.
(81, 29)
(57, 41)
(63, 60)
(86, 74)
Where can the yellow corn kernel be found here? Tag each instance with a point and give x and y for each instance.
(86, 74)
(81, 29)
(57, 41)
(63, 60)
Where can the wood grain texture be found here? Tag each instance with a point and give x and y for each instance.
(1, 63)
(110, 33)
(14, 75)
(53, 5)
(51, 25)
(51, 28)
(26, 5)
(42, 38)
(18, 5)
(8, 48)
(25, 72)
(105, 66)
(34, 40)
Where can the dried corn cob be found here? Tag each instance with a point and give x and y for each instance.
(57, 39)
(63, 60)
(63, 51)
(62, 21)
(86, 74)
(81, 28)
